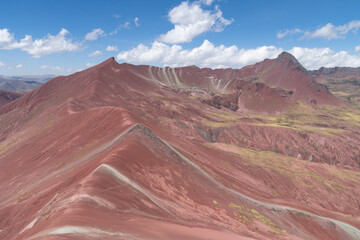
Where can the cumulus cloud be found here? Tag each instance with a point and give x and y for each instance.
(48, 45)
(209, 55)
(6, 38)
(89, 65)
(329, 31)
(39, 47)
(357, 48)
(191, 20)
(136, 21)
(2, 64)
(94, 34)
(314, 58)
(19, 66)
(206, 55)
(95, 53)
(111, 48)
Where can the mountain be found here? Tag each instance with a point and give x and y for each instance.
(344, 82)
(6, 97)
(296, 78)
(18, 85)
(36, 78)
(22, 84)
(120, 151)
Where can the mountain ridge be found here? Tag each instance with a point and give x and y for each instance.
(126, 151)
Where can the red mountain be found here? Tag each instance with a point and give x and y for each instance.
(139, 152)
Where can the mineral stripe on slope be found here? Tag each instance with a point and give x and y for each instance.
(354, 232)
(346, 227)
(131, 183)
(83, 231)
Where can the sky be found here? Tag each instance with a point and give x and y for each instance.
(62, 37)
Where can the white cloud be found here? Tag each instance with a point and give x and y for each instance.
(94, 34)
(206, 2)
(111, 48)
(48, 45)
(191, 20)
(116, 15)
(95, 53)
(89, 65)
(19, 66)
(209, 55)
(314, 58)
(39, 47)
(136, 21)
(2, 64)
(283, 33)
(56, 68)
(206, 55)
(6, 38)
(357, 48)
(124, 25)
(329, 31)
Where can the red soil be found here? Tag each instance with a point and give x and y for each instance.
(119, 152)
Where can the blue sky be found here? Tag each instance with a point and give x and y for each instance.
(62, 37)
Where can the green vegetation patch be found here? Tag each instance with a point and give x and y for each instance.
(245, 214)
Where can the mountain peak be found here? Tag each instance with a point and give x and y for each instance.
(110, 61)
(287, 56)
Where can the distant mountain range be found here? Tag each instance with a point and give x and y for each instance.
(23, 84)
(37, 78)
(344, 82)
(6, 97)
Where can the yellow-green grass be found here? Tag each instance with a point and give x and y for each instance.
(324, 120)
(292, 168)
(248, 215)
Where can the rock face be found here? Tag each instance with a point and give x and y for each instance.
(120, 151)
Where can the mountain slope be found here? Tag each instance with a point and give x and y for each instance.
(341, 81)
(137, 152)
